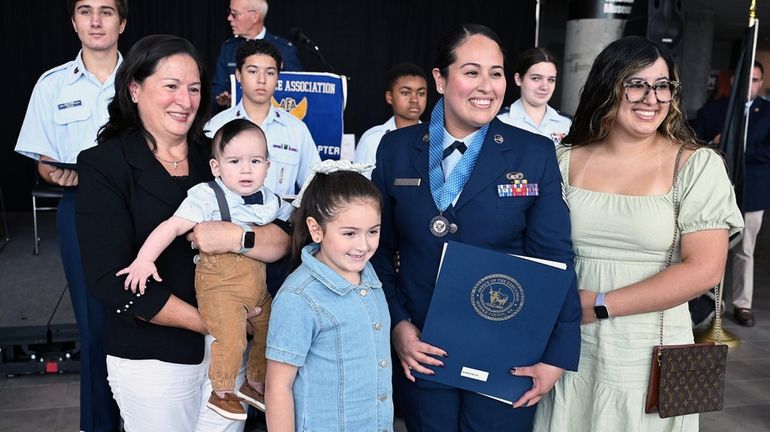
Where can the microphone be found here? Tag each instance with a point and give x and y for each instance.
(302, 38)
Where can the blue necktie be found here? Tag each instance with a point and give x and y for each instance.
(457, 145)
(255, 198)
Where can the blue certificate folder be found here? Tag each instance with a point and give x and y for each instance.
(490, 312)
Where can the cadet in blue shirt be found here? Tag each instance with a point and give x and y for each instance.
(247, 18)
(407, 93)
(536, 77)
(67, 107)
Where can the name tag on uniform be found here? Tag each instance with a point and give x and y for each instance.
(407, 182)
(71, 104)
(285, 147)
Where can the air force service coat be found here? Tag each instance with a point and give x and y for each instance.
(537, 226)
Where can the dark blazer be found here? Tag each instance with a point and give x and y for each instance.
(537, 226)
(711, 119)
(226, 62)
(757, 156)
(123, 194)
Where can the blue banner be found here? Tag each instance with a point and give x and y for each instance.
(318, 99)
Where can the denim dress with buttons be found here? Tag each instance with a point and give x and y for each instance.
(338, 336)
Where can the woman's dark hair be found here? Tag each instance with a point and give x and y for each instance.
(121, 5)
(323, 199)
(141, 62)
(254, 47)
(531, 57)
(447, 47)
(604, 92)
(230, 130)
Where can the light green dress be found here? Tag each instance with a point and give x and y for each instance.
(620, 240)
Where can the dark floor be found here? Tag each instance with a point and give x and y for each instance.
(49, 402)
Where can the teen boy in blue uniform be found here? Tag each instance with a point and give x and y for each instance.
(67, 107)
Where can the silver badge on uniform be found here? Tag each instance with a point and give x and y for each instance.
(407, 182)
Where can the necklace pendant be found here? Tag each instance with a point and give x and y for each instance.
(173, 165)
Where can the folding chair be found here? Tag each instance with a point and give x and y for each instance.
(42, 190)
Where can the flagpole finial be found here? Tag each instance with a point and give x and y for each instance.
(752, 12)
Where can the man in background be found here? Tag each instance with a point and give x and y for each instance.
(247, 19)
(756, 197)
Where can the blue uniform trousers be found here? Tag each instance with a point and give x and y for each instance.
(432, 407)
(98, 410)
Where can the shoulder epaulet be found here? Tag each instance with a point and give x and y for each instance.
(274, 38)
(284, 116)
(53, 70)
(563, 114)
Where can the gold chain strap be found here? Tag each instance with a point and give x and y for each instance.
(670, 256)
(717, 294)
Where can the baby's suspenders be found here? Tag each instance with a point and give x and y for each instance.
(224, 210)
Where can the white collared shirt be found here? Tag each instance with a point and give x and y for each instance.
(366, 149)
(201, 205)
(554, 125)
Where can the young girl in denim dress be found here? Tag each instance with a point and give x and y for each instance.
(328, 343)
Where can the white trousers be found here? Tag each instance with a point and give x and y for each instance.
(156, 396)
(743, 261)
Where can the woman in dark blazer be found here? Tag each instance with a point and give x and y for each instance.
(416, 222)
(150, 152)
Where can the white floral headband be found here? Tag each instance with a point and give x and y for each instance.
(329, 166)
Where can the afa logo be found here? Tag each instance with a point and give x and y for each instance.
(298, 110)
(497, 297)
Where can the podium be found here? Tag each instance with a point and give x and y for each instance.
(316, 98)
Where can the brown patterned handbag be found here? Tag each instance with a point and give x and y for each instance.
(687, 379)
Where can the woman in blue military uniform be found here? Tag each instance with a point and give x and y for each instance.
(446, 180)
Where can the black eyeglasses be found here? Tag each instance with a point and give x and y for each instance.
(235, 14)
(637, 90)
